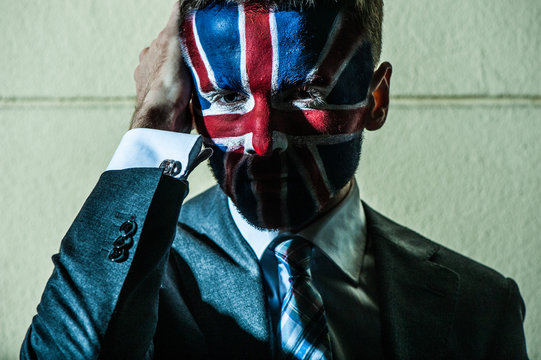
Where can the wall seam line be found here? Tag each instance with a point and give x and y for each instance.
(404, 100)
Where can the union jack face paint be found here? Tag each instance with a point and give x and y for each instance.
(281, 100)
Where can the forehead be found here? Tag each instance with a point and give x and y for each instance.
(299, 35)
(297, 42)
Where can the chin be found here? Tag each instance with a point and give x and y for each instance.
(269, 210)
(279, 192)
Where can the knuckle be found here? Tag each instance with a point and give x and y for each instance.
(143, 53)
(161, 40)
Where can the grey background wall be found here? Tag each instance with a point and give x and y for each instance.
(458, 160)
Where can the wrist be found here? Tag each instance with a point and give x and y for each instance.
(155, 116)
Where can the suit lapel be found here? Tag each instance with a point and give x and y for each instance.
(222, 231)
(417, 296)
(227, 290)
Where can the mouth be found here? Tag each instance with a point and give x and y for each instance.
(270, 169)
(271, 172)
(271, 187)
(267, 177)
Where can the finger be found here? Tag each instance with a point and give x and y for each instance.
(185, 77)
(143, 53)
(171, 29)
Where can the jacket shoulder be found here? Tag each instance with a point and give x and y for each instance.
(411, 242)
(482, 299)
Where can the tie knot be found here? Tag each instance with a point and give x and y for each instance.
(295, 254)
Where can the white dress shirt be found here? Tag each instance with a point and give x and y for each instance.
(141, 148)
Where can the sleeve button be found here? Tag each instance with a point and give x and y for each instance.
(123, 242)
(118, 255)
(128, 228)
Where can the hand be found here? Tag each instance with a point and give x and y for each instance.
(163, 83)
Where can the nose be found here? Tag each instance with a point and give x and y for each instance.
(265, 138)
(278, 143)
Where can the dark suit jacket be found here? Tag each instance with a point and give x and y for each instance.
(193, 288)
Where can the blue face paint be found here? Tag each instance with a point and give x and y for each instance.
(220, 23)
(302, 36)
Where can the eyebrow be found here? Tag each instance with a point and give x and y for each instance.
(230, 83)
(316, 81)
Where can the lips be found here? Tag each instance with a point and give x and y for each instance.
(272, 175)
(261, 187)
(268, 177)
(268, 182)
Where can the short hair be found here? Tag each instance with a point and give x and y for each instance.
(367, 13)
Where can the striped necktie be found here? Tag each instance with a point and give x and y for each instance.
(303, 327)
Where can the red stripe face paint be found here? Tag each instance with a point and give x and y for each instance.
(281, 98)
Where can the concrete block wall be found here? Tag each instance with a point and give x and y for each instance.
(458, 160)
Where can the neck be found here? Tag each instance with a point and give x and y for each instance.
(333, 202)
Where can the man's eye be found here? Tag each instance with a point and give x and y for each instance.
(306, 95)
(232, 98)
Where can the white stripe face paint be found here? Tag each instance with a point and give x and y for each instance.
(203, 54)
(306, 176)
(242, 33)
(321, 168)
(275, 56)
(337, 24)
(280, 141)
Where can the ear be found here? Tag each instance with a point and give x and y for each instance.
(378, 97)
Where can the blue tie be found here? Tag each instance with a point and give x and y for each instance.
(303, 326)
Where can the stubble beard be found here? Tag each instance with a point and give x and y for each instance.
(280, 192)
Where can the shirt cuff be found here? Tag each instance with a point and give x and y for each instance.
(148, 148)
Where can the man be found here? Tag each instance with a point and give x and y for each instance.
(282, 260)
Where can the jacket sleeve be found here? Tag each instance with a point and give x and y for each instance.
(93, 306)
(509, 341)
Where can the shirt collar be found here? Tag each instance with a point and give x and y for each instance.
(340, 234)
(258, 239)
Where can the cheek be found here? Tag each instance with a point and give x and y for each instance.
(220, 126)
(222, 132)
(335, 122)
(223, 125)
(211, 127)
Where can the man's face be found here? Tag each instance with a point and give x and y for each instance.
(281, 100)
